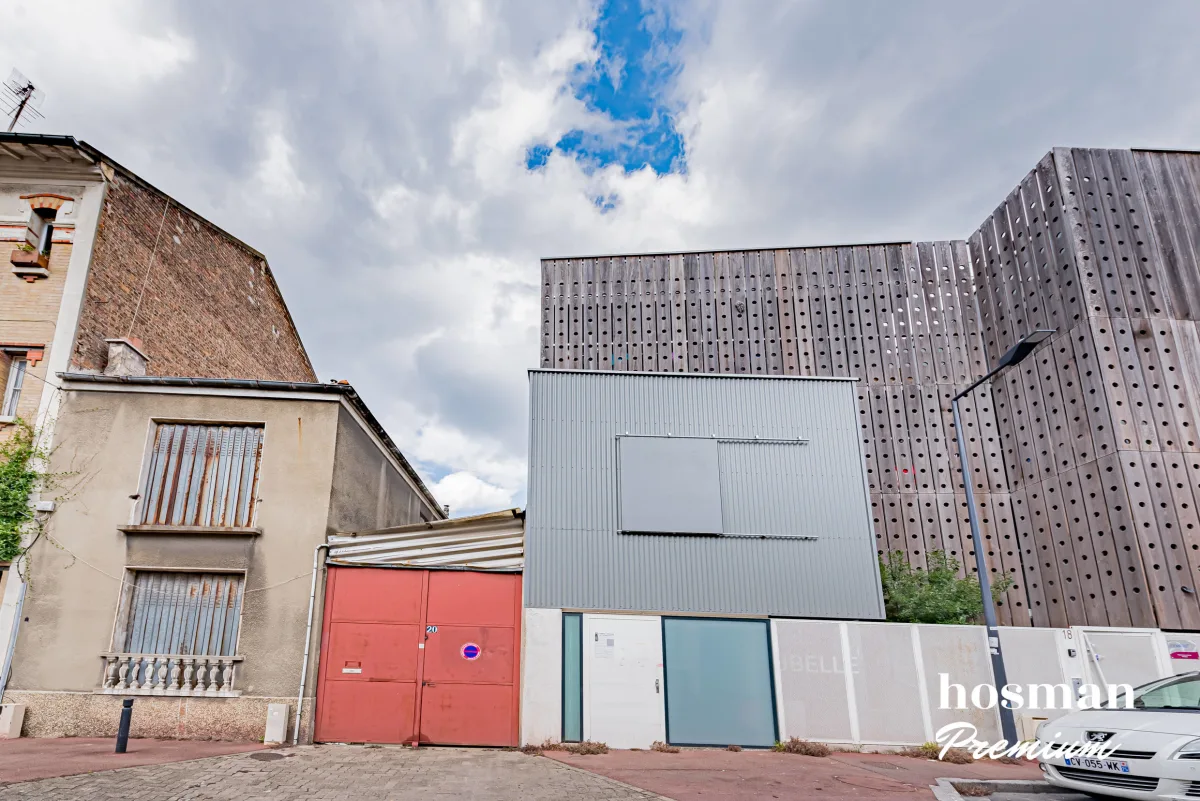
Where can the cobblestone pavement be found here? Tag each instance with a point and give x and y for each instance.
(338, 773)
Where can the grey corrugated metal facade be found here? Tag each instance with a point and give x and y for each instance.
(823, 565)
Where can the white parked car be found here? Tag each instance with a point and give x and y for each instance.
(1157, 744)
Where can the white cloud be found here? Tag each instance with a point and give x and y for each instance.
(463, 491)
(434, 442)
(276, 174)
(84, 55)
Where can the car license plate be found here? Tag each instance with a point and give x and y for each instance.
(1091, 763)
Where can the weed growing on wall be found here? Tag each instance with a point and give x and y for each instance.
(20, 457)
(933, 594)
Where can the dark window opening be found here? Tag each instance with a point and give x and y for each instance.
(40, 233)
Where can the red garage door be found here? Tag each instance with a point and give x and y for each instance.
(419, 656)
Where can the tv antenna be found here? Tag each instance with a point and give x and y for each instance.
(19, 99)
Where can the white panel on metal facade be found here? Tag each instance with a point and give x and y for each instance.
(669, 485)
(623, 680)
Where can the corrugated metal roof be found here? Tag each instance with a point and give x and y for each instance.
(492, 541)
(810, 549)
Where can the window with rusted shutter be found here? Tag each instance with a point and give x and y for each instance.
(184, 613)
(177, 634)
(202, 475)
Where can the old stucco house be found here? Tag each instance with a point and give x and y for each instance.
(196, 461)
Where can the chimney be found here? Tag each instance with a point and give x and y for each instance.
(125, 357)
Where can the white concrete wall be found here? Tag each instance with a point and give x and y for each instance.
(541, 676)
(889, 697)
(875, 703)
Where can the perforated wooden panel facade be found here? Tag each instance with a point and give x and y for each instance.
(1085, 459)
(1099, 426)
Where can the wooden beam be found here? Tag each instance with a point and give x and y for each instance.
(34, 153)
(57, 151)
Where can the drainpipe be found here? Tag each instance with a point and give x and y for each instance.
(312, 602)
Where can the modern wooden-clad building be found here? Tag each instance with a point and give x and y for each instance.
(1085, 459)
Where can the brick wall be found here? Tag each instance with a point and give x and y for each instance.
(28, 314)
(210, 306)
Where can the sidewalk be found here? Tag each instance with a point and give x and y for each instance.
(718, 775)
(30, 758)
(340, 773)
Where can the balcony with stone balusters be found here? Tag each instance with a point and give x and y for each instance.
(189, 675)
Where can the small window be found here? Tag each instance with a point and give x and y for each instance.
(669, 485)
(40, 232)
(17, 366)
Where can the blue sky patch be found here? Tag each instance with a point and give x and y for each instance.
(537, 156)
(628, 84)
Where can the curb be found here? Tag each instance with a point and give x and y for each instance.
(944, 789)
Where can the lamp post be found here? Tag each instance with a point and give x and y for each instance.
(1012, 356)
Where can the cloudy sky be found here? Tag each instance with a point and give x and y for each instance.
(404, 165)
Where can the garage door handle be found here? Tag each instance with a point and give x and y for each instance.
(656, 685)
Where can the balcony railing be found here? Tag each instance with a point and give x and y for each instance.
(170, 674)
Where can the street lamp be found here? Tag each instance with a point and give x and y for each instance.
(1012, 356)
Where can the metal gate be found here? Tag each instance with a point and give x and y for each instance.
(429, 656)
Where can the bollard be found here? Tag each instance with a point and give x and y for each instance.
(123, 730)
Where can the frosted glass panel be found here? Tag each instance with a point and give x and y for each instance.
(572, 702)
(718, 675)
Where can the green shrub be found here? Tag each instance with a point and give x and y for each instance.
(18, 479)
(933, 594)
